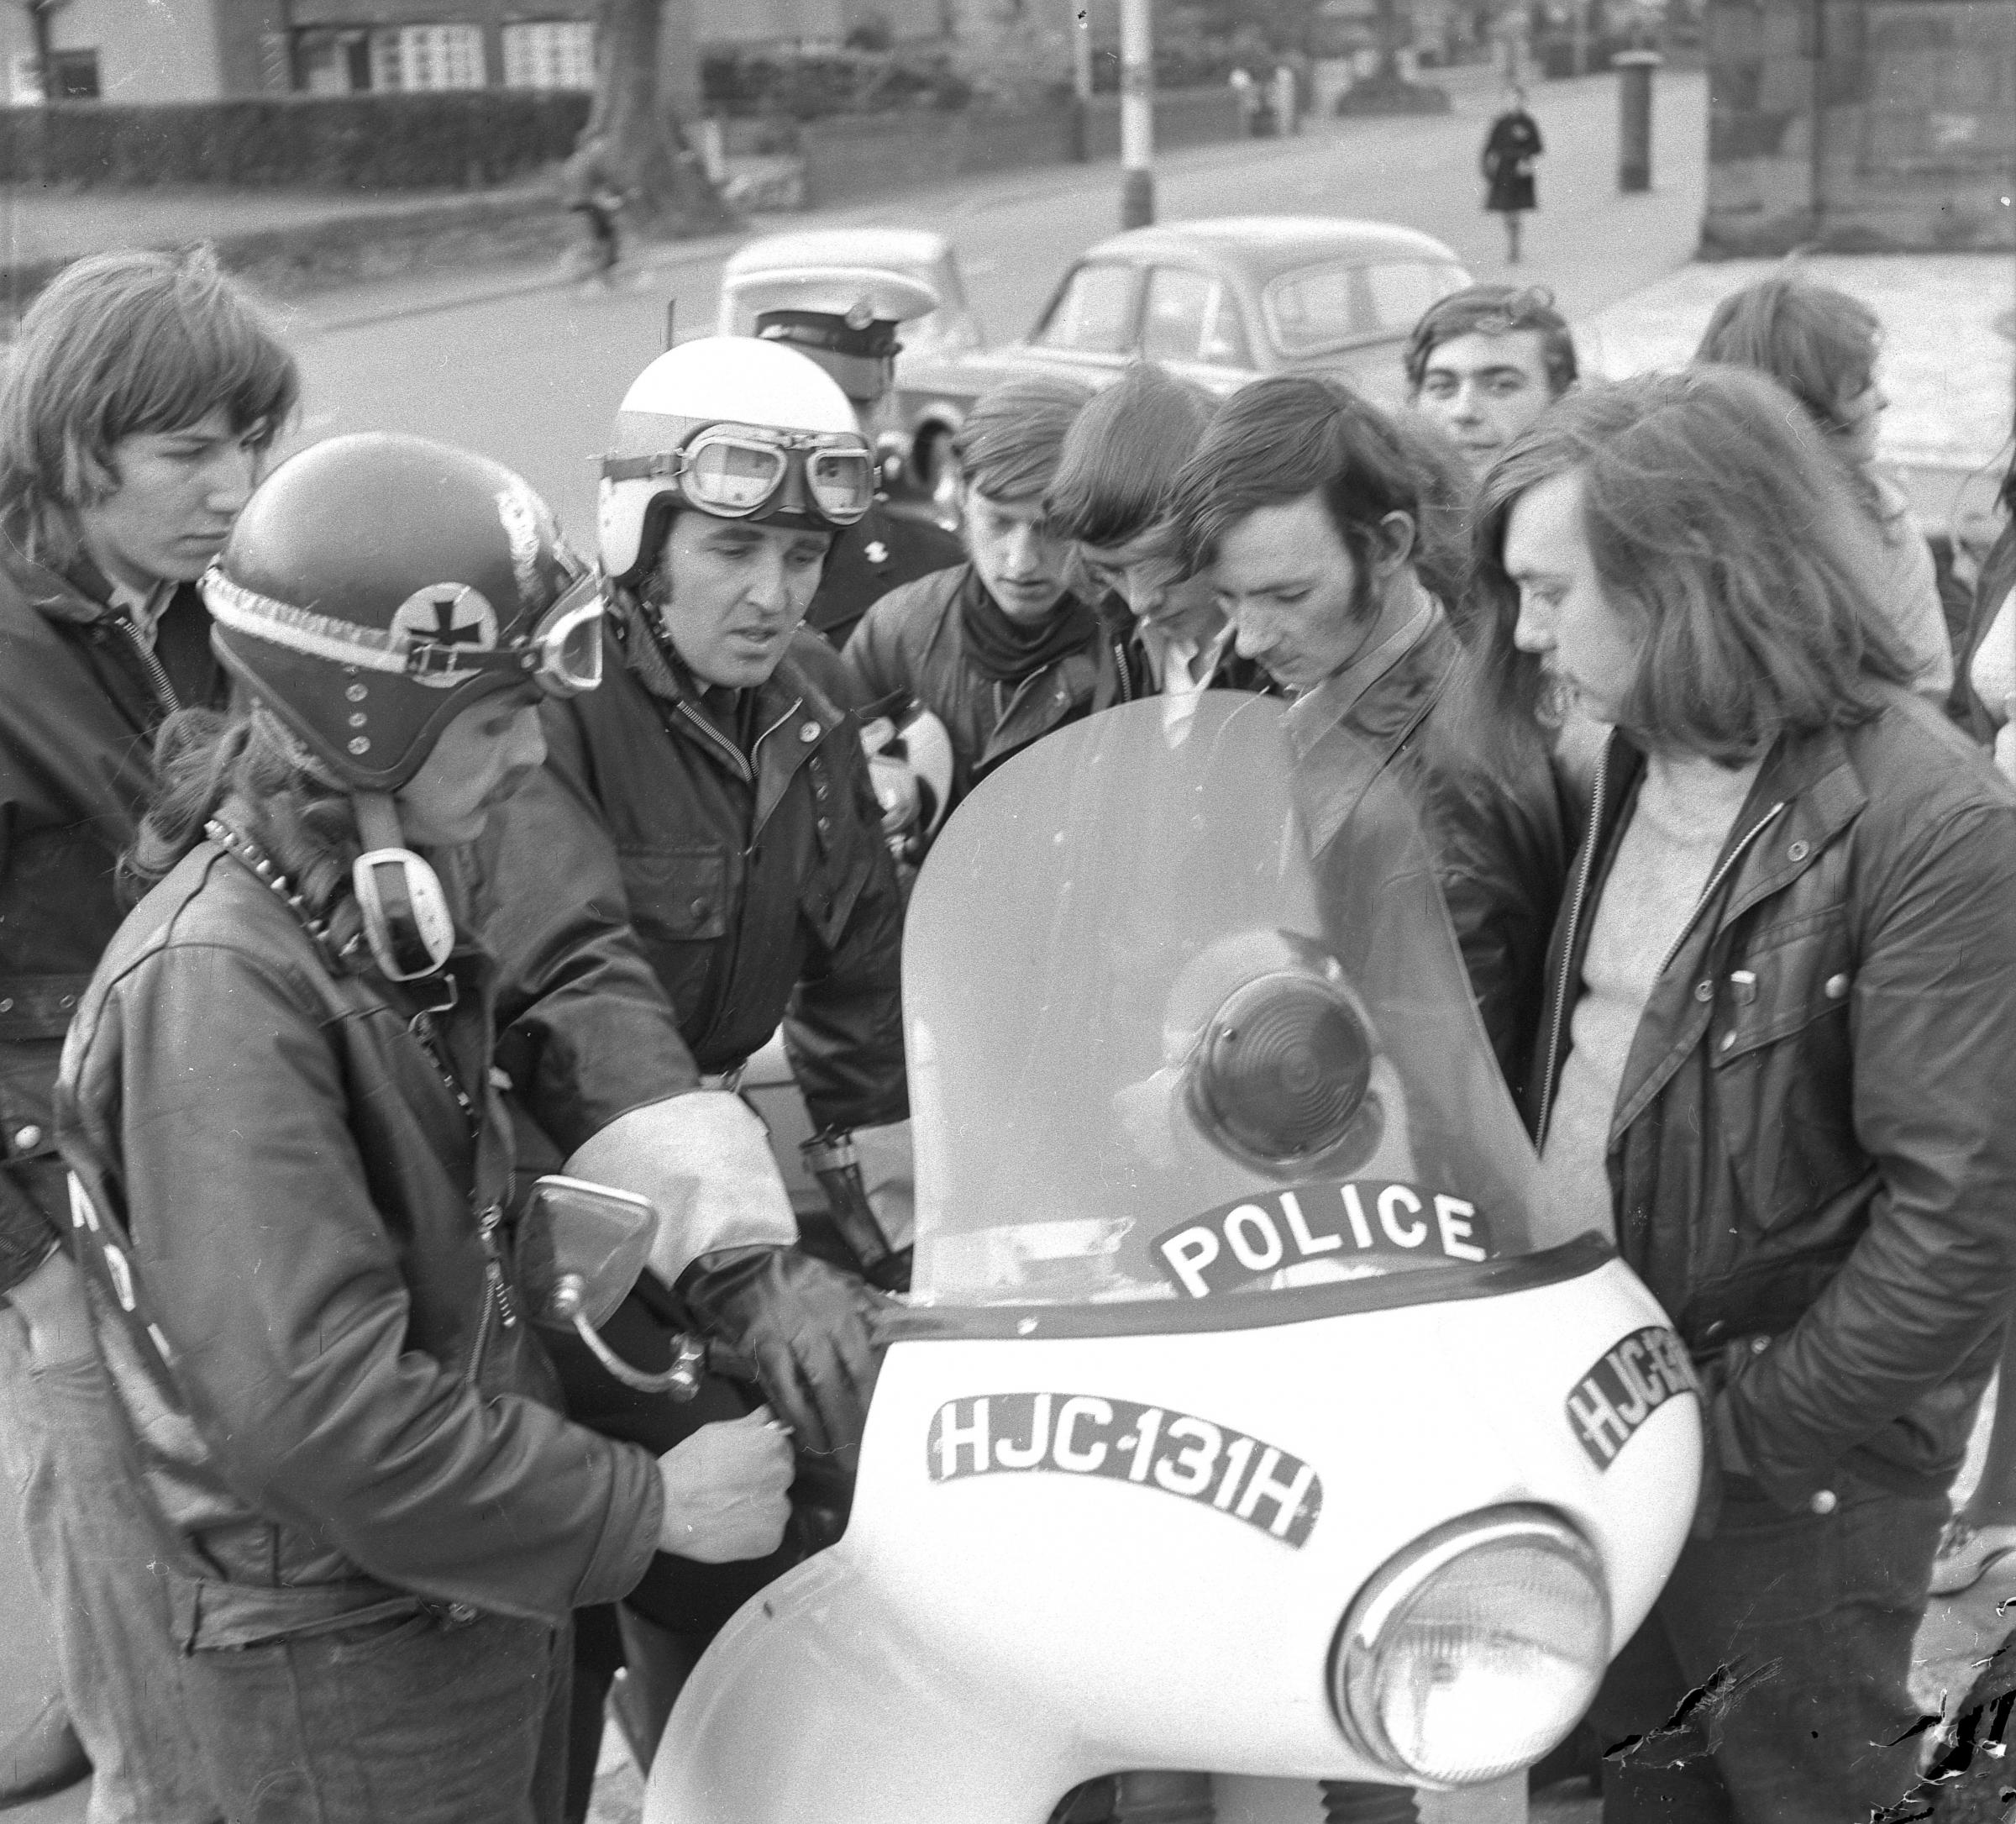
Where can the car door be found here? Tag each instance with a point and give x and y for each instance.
(1194, 323)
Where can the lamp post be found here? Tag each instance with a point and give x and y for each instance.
(1137, 115)
(1635, 119)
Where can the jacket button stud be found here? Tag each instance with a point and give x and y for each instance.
(7, 1006)
(1837, 986)
(1798, 851)
(809, 733)
(1759, 1344)
(1824, 1502)
(1705, 990)
(698, 908)
(27, 1138)
(359, 745)
(1729, 1041)
(460, 1614)
(67, 1002)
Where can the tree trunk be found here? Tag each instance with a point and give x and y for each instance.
(669, 195)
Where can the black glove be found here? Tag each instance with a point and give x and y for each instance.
(802, 1325)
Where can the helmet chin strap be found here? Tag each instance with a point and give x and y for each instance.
(406, 919)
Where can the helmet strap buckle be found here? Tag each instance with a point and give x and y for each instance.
(406, 918)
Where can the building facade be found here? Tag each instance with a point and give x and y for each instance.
(1861, 125)
(183, 50)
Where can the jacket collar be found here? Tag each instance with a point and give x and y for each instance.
(793, 714)
(82, 595)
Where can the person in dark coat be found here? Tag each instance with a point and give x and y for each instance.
(700, 859)
(1781, 1002)
(1510, 148)
(849, 322)
(142, 396)
(998, 648)
(290, 1164)
(1301, 506)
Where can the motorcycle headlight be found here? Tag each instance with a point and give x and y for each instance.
(1477, 1649)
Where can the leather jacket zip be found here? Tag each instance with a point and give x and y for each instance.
(164, 691)
(1715, 881)
(1559, 1012)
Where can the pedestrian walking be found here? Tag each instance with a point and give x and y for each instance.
(1510, 147)
(1982, 1532)
(700, 859)
(1822, 346)
(1301, 509)
(290, 1164)
(592, 188)
(998, 648)
(141, 399)
(1782, 996)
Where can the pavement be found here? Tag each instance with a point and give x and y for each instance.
(1948, 362)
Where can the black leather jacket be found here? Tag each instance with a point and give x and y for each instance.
(1494, 833)
(1813, 1161)
(80, 698)
(651, 862)
(912, 644)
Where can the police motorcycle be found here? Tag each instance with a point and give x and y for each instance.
(1252, 1414)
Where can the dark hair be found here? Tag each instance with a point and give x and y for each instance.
(1446, 489)
(1717, 516)
(1009, 446)
(1290, 435)
(1819, 344)
(1495, 310)
(118, 345)
(248, 766)
(1117, 474)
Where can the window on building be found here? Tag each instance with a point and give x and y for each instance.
(73, 75)
(549, 54)
(427, 57)
(332, 62)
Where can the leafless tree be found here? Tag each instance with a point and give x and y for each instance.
(667, 190)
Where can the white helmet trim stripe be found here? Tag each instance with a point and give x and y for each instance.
(321, 636)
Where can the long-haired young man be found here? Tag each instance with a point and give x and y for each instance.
(1781, 996)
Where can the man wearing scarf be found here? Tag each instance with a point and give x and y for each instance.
(997, 648)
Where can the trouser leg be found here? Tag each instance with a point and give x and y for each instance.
(1797, 1630)
(92, 1551)
(598, 1652)
(414, 1718)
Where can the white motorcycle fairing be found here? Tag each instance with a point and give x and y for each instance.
(1166, 1414)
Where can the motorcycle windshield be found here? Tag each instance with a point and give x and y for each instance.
(1172, 1038)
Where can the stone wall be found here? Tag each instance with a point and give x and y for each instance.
(850, 157)
(1861, 125)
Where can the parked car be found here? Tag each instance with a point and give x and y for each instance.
(1221, 302)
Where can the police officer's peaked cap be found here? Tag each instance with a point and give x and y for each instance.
(844, 310)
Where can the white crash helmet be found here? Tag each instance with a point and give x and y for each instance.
(736, 428)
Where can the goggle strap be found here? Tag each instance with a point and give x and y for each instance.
(369, 648)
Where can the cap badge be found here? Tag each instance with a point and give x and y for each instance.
(859, 316)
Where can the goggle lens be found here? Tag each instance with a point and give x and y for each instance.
(842, 483)
(730, 476)
(569, 641)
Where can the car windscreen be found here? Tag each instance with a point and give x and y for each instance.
(1330, 307)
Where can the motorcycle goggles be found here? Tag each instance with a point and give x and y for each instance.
(561, 657)
(754, 471)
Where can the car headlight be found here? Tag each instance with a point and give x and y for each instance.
(1475, 1650)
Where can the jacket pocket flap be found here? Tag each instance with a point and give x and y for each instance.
(680, 894)
(1789, 976)
(39, 1006)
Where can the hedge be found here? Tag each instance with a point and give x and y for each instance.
(463, 139)
(814, 85)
